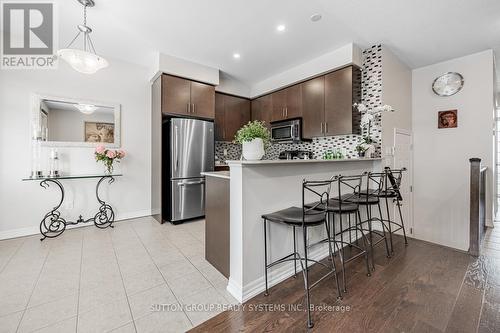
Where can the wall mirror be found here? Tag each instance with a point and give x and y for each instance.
(58, 121)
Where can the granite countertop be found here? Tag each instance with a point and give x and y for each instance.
(218, 174)
(270, 162)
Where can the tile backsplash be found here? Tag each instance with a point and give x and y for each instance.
(318, 146)
(371, 92)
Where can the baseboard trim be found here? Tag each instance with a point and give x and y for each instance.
(277, 275)
(30, 231)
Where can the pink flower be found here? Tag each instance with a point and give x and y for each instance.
(111, 154)
(100, 149)
(121, 153)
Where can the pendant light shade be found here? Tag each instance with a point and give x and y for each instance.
(83, 60)
(86, 108)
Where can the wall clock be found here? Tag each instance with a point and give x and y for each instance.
(448, 84)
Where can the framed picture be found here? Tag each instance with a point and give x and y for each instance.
(447, 119)
(99, 132)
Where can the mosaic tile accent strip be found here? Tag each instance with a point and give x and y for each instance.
(371, 92)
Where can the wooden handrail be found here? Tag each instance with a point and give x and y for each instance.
(477, 205)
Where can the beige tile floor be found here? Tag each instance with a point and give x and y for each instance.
(93, 280)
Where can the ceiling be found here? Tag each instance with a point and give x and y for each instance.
(420, 32)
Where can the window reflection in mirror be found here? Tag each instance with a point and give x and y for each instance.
(64, 121)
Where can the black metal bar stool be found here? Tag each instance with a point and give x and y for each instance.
(391, 190)
(367, 197)
(341, 206)
(304, 217)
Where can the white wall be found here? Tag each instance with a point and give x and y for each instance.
(441, 156)
(348, 54)
(168, 64)
(23, 204)
(231, 85)
(396, 91)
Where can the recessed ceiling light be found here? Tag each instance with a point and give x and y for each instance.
(281, 28)
(316, 17)
(236, 56)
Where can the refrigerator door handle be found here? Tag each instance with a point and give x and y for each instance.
(192, 183)
(176, 157)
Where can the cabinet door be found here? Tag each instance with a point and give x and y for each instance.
(219, 117)
(262, 109)
(175, 95)
(237, 114)
(293, 106)
(313, 107)
(279, 103)
(338, 102)
(202, 100)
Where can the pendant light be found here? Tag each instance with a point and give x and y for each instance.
(84, 61)
(86, 108)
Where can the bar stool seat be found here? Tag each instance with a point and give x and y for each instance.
(362, 199)
(294, 216)
(334, 206)
(382, 194)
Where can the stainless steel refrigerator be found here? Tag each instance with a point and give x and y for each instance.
(188, 150)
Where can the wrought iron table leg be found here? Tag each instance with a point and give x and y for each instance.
(105, 216)
(52, 224)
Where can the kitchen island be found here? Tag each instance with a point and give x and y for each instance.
(259, 187)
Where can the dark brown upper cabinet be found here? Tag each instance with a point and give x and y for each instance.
(313, 107)
(219, 117)
(327, 103)
(187, 98)
(287, 103)
(231, 114)
(342, 90)
(262, 109)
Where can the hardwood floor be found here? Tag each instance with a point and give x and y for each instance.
(422, 288)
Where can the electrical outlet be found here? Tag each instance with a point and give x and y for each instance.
(225, 152)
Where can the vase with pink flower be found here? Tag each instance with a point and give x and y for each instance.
(108, 157)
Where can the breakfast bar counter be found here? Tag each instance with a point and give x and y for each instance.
(259, 187)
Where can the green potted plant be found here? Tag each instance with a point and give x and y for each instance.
(253, 137)
(361, 149)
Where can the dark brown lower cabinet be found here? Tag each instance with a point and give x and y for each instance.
(217, 223)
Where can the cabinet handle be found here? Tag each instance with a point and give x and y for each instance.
(326, 127)
(187, 108)
(286, 112)
(321, 128)
(194, 108)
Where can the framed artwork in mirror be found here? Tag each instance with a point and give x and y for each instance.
(447, 119)
(99, 132)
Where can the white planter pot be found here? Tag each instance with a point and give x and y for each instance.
(253, 150)
(370, 152)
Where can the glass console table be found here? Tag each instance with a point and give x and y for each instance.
(53, 225)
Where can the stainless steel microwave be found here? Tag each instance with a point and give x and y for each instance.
(286, 131)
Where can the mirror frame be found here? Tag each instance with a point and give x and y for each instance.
(35, 121)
